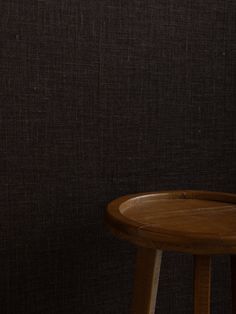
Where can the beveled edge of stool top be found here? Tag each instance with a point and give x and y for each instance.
(147, 236)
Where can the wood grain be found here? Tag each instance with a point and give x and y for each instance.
(146, 281)
(202, 284)
(197, 222)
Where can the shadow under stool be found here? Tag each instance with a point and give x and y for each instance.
(201, 223)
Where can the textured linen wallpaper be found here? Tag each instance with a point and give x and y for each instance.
(100, 99)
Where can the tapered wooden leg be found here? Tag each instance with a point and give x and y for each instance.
(202, 284)
(233, 282)
(146, 281)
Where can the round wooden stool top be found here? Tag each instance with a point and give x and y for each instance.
(198, 222)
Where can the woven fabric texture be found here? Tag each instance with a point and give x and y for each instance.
(99, 99)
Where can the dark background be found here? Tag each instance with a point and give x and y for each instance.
(100, 99)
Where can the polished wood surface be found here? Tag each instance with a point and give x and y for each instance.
(197, 222)
(146, 281)
(202, 284)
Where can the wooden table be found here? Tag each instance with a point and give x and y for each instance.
(198, 222)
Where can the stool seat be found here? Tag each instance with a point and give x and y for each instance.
(196, 222)
(202, 223)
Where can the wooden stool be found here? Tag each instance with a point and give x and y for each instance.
(197, 222)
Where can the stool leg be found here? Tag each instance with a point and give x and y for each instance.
(233, 282)
(202, 284)
(146, 281)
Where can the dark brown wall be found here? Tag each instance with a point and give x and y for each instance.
(100, 99)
